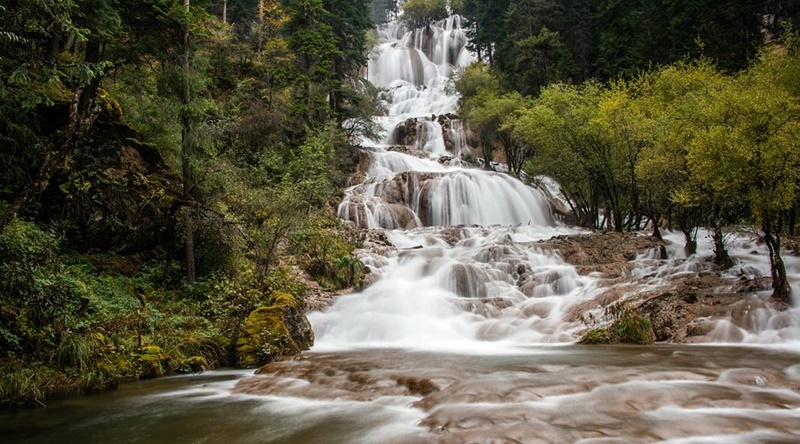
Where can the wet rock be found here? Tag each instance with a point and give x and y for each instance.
(410, 150)
(592, 251)
(405, 133)
(468, 281)
(453, 235)
(364, 163)
(668, 315)
(418, 386)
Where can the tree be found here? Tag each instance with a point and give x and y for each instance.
(532, 53)
(34, 79)
(349, 26)
(567, 149)
(486, 29)
(312, 40)
(419, 13)
(763, 143)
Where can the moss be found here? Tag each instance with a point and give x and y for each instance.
(629, 327)
(192, 364)
(597, 336)
(264, 338)
(284, 299)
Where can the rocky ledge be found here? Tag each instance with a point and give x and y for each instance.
(701, 303)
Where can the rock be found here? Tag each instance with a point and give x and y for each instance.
(668, 316)
(273, 332)
(593, 252)
(405, 133)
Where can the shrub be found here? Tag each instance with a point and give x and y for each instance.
(628, 326)
(325, 251)
(597, 336)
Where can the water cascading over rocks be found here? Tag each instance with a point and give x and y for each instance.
(444, 278)
(416, 176)
(466, 260)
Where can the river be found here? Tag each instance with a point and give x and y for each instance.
(532, 394)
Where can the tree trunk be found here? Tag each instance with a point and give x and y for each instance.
(224, 11)
(187, 141)
(721, 256)
(781, 291)
(656, 229)
(691, 241)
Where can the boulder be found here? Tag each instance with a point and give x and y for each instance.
(273, 332)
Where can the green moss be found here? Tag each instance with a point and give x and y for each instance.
(265, 337)
(628, 326)
(153, 362)
(192, 364)
(284, 299)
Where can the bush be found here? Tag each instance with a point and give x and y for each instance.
(325, 251)
(597, 336)
(628, 326)
(632, 328)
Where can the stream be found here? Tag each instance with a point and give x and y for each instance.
(533, 394)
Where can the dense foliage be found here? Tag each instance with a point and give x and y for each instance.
(159, 157)
(534, 42)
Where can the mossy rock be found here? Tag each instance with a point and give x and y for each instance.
(273, 332)
(153, 362)
(192, 364)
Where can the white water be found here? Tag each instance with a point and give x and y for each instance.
(413, 67)
(471, 288)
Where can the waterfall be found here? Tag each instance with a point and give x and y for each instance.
(415, 177)
(458, 264)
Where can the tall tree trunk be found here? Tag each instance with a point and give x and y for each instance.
(721, 256)
(656, 220)
(690, 247)
(781, 291)
(187, 141)
(260, 10)
(224, 11)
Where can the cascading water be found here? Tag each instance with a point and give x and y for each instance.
(434, 290)
(464, 267)
(413, 179)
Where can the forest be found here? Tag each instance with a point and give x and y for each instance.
(172, 167)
